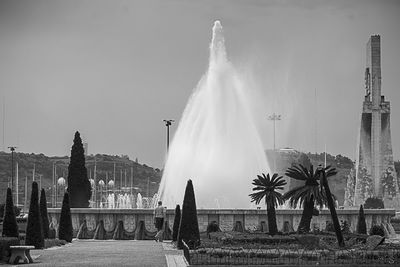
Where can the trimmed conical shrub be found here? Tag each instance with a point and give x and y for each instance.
(361, 225)
(34, 234)
(65, 230)
(10, 226)
(177, 220)
(43, 214)
(189, 226)
(79, 187)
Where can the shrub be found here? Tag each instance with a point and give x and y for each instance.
(189, 226)
(374, 203)
(65, 230)
(361, 225)
(177, 220)
(329, 227)
(34, 234)
(17, 211)
(48, 243)
(377, 230)
(10, 226)
(43, 214)
(5, 243)
(213, 227)
(345, 227)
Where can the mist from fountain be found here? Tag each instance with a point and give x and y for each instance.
(217, 143)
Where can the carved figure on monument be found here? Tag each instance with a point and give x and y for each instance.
(375, 175)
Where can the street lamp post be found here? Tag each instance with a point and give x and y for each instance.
(274, 117)
(167, 124)
(12, 148)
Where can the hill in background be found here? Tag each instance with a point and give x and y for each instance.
(145, 179)
(286, 158)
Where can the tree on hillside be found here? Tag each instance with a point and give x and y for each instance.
(10, 226)
(374, 203)
(267, 187)
(307, 195)
(189, 225)
(34, 234)
(177, 220)
(65, 230)
(43, 214)
(79, 187)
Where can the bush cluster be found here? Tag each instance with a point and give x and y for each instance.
(377, 230)
(374, 203)
(213, 227)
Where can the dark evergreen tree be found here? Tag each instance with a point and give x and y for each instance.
(43, 214)
(361, 225)
(34, 234)
(65, 230)
(177, 220)
(189, 225)
(79, 187)
(17, 211)
(10, 226)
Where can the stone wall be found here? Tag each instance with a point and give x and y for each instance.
(228, 220)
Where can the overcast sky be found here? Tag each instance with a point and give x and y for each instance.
(115, 69)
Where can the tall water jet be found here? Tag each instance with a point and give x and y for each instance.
(217, 143)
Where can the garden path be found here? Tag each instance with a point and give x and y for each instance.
(110, 253)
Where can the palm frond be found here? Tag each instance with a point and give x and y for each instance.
(265, 187)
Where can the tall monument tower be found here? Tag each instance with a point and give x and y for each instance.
(375, 172)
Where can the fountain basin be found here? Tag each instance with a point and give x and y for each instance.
(227, 219)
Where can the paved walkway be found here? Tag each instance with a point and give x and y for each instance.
(110, 253)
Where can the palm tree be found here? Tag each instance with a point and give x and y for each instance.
(267, 187)
(309, 194)
(331, 204)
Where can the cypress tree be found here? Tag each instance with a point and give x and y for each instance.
(79, 187)
(189, 226)
(65, 226)
(361, 225)
(43, 214)
(10, 226)
(34, 234)
(177, 219)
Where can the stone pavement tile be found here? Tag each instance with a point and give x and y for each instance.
(103, 253)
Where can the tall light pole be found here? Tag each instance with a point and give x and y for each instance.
(167, 124)
(12, 148)
(274, 117)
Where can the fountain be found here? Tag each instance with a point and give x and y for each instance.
(217, 146)
(139, 203)
(217, 143)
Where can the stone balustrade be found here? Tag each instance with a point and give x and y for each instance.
(227, 219)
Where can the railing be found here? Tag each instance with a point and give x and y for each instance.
(386, 254)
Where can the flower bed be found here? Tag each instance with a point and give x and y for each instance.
(232, 248)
